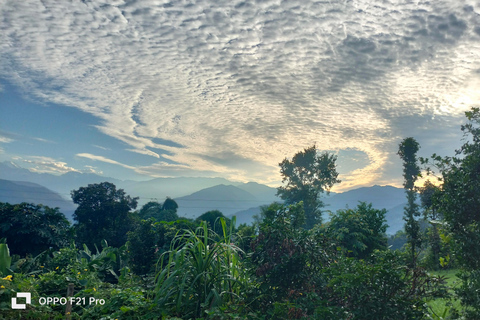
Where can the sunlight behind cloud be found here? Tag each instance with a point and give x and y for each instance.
(254, 82)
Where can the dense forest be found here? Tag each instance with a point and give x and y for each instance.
(149, 263)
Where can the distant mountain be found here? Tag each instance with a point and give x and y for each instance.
(62, 184)
(228, 199)
(160, 188)
(246, 216)
(15, 192)
(155, 189)
(382, 197)
(260, 191)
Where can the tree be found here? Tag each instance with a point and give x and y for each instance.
(283, 255)
(145, 245)
(459, 202)
(160, 212)
(429, 194)
(31, 228)
(150, 210)
(360, 231)
(102, 213)
(307, 176)
(170, 204)
(407, 151)
(212, 218)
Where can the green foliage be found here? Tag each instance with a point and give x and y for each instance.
(120, 303)
(245, 235)
(459, 204)
(469, 293)
(10, 285)
(380, 289)
(102, 213)
(145, 244)
(31, 229)
(107, 263)
(407, 151)
(398, 240)
(429, 196)
(200, 273)
(212, 218)
(307, 176)
(160, 212)
(359, 231)
(285, 256)
(458, 200)
(5, 259)
(170, 204)
(302, 274)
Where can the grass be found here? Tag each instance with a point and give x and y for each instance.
(440, 307)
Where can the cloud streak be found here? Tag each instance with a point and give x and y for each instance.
(250, 80)
(103, 159)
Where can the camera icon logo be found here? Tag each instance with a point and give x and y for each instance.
(25, 295)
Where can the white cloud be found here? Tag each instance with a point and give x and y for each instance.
(41, 164)
(100, 147)
(5, 140)
(91, 169)
(103, 159)
(256, 82)
(43, 140)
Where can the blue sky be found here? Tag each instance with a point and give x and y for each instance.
(143, 89)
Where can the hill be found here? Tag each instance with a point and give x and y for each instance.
(382, 197)
(228, 199)
(20, 191)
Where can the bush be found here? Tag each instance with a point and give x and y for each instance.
(469, 293)
(200, 274)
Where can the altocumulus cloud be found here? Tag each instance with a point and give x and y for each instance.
(255, 80)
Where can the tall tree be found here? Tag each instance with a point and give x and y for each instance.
(307, 176)
(407, 151)
(459, 201)
(102, 213)
(460, 205)
(31, 228)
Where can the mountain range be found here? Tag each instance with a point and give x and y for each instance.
(21, 191)
(193, 195)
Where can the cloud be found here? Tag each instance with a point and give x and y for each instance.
(91, 169)
(103, 159)
(8, 137)
(43, 140)
(5, 140)
(255, 82)
(100, 147)
(45, 165)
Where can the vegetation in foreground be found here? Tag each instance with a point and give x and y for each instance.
(152, 264)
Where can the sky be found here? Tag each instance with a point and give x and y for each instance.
(144, 89)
